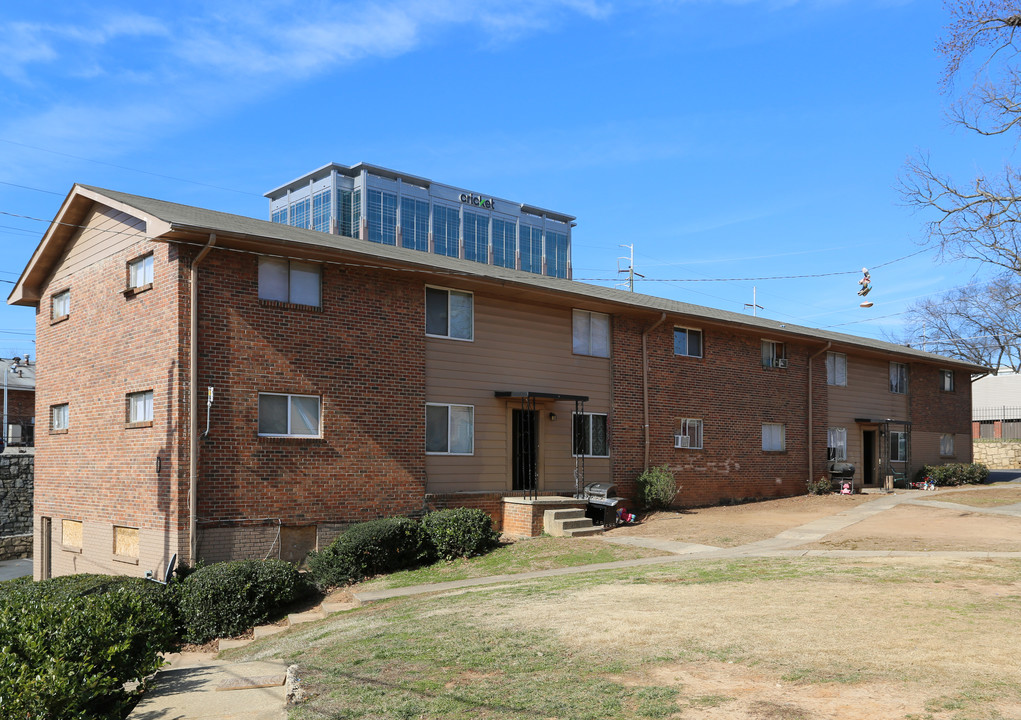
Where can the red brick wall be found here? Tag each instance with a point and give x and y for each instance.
(362, 352)
(733, 395)
(110, 345)
(20, 404)
(933, 410)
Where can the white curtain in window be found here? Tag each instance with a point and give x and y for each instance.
(599, 334)
(836, 441)
(304, 280)
(273, 279)
(461, 428)
(836, 369)
(946, 445)
(772, 436)
(582, 332)
(460, 315)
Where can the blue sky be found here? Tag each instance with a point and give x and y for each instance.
(724, 139)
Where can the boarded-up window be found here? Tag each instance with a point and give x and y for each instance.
(125, 541)
(71, 533)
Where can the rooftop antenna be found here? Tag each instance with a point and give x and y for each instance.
(754, 303)
(630, 269)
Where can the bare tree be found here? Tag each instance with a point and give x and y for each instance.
(978, 220)
(978, 323)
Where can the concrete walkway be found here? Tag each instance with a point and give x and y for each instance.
(10, 569)
(199, 687)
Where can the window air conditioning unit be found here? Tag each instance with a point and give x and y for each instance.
(682, 441)
(780, 362)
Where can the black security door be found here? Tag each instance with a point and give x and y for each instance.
(525, 439)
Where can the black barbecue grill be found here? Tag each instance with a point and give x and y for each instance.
(601, 503)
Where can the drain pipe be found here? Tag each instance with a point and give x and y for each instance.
(193, 382)
(645, 381)
(810, 359)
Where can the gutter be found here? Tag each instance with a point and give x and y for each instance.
(645, 381)
(193, 381)
(810, 359)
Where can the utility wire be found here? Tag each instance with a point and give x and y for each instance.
(26, 187)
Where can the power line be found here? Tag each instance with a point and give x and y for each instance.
(129, 169)
(26, 187)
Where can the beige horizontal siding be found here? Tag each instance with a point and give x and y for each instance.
(106, 232)
(517, 347)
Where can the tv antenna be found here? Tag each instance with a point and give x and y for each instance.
(754, 303)
(630, 269)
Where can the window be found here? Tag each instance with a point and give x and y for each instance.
(282, 415)
(476, 237)
(382, 214)
(446, 230)
(60, 305)
(140, 272)
(836, 444)
(898, 378)
(448, 313)
(556, 254)
(279, 216)
(774, 354)
(590, 435)
(687, 342)
(289, 281)
(449, 429)
(898, 446)
(689, 434)
(531, 248)
(591, 333)
(71, 534)
(343, 211)
(414, 224)
(59, 418)
(321, 203)
(946, 380)
(836, 369)
(773, 437)
(946, 445)
(299, 214)
(504, 242)
(140, 407)
(125, 542)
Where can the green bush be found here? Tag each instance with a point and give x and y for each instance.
(68, 645)
(225, 599)
(370, 548)
(656, 488)
(822, 486)
(460, 532)
(954, 474)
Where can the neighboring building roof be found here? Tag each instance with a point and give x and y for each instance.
(163, 218)
(996, 391)
(23, 376)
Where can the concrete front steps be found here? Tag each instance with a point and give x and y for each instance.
(569, 522)
(262, 631)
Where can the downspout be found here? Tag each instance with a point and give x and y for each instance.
(193, 382)
(645, 382)
(810, 359)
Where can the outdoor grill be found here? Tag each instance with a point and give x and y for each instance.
(841, 473)
(602, 503)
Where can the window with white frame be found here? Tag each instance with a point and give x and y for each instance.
(946, 445)
(449, 313)
(836, 369)
(946, 380)
(773, 437)
(898, 446)
(836, 444)
(449, 429)
(285, 415)
(140, 272)
(689, 434)
(60, 305)
(898, 378)
(591, 333)
(774, 354)
(59, 416)
(290, 281)
(140, 407)
(687, 342)
(590, 435)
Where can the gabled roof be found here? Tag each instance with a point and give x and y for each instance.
(171, 221)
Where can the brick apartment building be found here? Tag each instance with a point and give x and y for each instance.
(253, 387)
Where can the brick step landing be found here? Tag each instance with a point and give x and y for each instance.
(569, 522)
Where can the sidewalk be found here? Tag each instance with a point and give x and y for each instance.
(10, 569)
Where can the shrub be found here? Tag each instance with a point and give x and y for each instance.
(656, 488)
(68, 645)
(822, 486)
(225, 599)
(460, 532)
(955, 474)
(370, 548)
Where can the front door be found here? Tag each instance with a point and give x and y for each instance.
(525, 449)
(868, 457)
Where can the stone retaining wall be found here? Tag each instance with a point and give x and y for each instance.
(17, 474)
(998, 455)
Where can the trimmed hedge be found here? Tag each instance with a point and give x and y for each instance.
(460, 532)
(68, 645)
(954, 474)
(657, 487)
(226, 599)
(370, 548)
